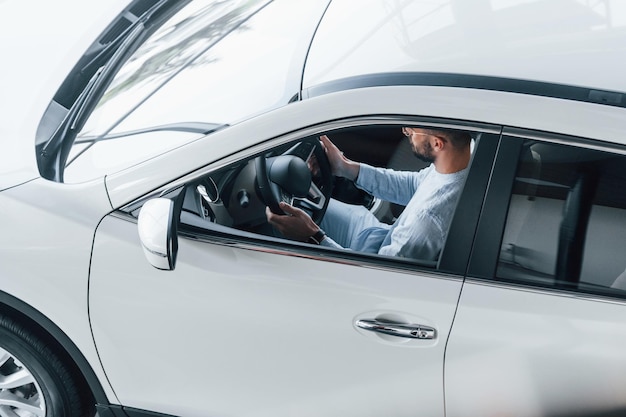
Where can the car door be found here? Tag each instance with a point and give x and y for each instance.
(541, 324)
(257, 326)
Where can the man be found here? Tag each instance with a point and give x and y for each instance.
(430, 196)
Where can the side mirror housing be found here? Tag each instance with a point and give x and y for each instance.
(157, 227)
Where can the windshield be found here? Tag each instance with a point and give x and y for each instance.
(213, 62)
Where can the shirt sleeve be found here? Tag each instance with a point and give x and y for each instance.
(390, 185)
(329, 243)
(422, 238)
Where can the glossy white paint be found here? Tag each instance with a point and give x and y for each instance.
(155, 232)
(541, 113)
(527, 353)
(45, 248)
(244, 332)
(206, 338)
(575, 42)
(37, 54)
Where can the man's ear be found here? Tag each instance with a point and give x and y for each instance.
(438, 144)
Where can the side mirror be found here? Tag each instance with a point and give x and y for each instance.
(158, 233)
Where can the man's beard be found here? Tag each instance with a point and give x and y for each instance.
(425, 154)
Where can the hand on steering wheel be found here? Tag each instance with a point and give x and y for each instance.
(295, 225)
(300, 177)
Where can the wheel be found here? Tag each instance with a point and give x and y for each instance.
(33, 381)
(301, 176)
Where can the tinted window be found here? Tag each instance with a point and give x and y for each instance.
(567, 219)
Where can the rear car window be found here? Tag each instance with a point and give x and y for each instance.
(567, 220)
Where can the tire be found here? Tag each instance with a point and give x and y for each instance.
(33, 380)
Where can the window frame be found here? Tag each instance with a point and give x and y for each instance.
(486, 247)
(462, 229)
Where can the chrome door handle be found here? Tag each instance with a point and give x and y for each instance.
(412, 331)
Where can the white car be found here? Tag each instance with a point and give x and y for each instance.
(139, 275)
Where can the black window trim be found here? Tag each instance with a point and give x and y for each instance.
(481, 82)
(547, 290)
(449, 265)
(560, 139)
(457, 248)
(486, 246)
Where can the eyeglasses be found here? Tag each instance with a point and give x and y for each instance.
(408, 131)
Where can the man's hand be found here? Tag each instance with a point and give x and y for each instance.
(339, 164)
(295, 225)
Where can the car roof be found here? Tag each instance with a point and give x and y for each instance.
(567, 42)
(556, 43)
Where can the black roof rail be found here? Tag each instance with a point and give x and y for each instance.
(481, 82)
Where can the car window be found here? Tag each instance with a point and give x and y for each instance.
(211, 65)
(232, 201)
(567, 219)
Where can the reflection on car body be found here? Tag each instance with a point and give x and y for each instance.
(139, 275)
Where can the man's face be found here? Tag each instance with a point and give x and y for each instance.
(420, 142)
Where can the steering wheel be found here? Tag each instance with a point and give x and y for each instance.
(301, 176)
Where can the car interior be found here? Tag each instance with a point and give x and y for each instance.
(235, 197)
(565, 223)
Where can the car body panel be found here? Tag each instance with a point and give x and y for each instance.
(530, 352)
(45, 252)
(230, 320)
(515, 337)
(263, 326)
(508, 109)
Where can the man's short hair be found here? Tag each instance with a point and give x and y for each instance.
(458, 138)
